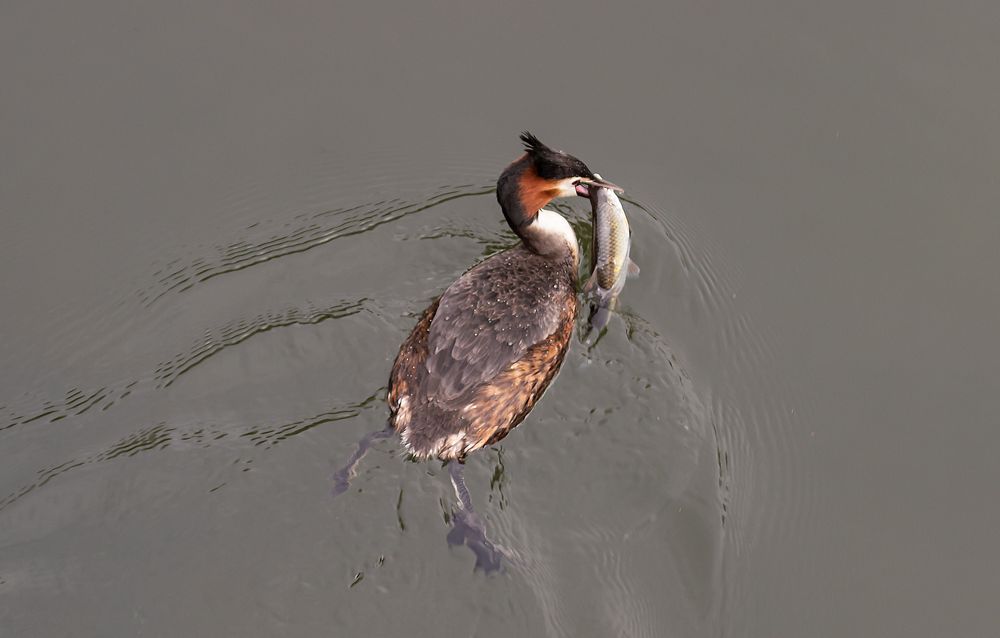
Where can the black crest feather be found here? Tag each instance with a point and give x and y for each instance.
(552, 164)
(532, 144)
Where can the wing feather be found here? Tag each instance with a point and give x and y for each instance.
(489, 317)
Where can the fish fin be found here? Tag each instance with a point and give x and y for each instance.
(633, 270)
(591, 285)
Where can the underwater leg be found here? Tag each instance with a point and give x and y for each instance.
(596, 323)
(467, 529)
(342, 478)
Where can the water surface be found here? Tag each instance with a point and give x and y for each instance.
(221, 221)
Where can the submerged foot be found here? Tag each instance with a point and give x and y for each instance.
(467, 529)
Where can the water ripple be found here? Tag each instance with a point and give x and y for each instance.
(162, 436)
(311, 231)
(302, 232)
(77, 402)
(237, 332)
(765, 492)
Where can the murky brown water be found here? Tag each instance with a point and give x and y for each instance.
(220, 221)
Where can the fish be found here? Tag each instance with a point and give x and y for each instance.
(610, 246)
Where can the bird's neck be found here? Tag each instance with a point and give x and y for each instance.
(551, 235)
(522, 195)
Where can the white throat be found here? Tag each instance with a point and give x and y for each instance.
(550, 234)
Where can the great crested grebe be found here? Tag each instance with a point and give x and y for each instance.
(483, 353)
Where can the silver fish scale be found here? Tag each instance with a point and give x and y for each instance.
(611, 239)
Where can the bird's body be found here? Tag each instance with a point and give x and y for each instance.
(483, 353)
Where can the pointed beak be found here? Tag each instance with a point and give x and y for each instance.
(583, 188)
